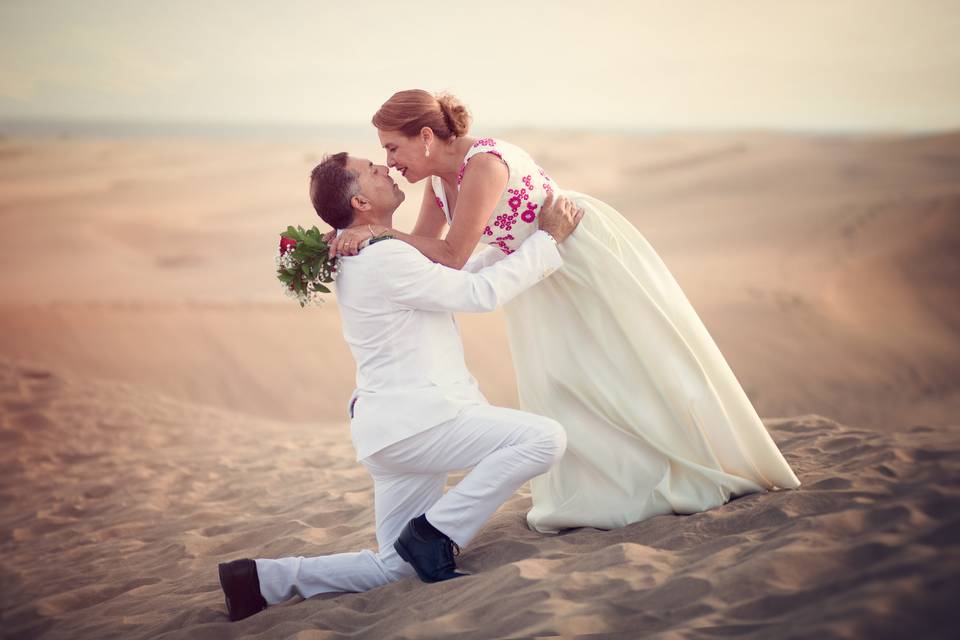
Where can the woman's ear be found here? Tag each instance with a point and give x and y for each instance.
(426, 134)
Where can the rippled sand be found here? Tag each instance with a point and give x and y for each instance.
(163, 408)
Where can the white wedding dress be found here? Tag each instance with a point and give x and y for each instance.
(611, 348)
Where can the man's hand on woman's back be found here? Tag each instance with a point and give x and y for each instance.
(559, 217)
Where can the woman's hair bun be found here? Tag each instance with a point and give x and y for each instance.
(455, 113)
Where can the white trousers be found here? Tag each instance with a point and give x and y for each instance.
(505, 447)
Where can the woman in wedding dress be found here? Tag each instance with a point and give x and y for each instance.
(609, 345)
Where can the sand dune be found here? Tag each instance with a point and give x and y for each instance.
(826, 268)
(119, 502)
(163, 408)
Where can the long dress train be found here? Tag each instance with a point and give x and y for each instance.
(610, 347)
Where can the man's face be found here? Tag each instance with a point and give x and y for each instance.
(376, 185)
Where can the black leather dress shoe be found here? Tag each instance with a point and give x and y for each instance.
(432, 558)
(241, 588)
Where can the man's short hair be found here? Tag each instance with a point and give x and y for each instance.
(332, 186)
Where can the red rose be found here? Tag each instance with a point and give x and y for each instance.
(286, 244)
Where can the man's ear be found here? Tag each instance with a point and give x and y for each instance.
(360, 202)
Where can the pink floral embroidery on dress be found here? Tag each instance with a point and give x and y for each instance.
(502, 243)
(439, 202)
(506, 221)
(519, 195)
(530, 214)
(547, 186)
(519, 204)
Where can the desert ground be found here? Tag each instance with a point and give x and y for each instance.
(163, 407)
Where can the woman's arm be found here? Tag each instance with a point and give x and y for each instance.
(431, 221)
(484, 180)
(483, 183)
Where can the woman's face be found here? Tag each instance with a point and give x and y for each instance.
(404, 154)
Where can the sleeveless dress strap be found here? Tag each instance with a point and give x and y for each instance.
(483, 145)
(441, 196)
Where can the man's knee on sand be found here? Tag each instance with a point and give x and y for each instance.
(554, 439)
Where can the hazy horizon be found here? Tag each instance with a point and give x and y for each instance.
(118, 128)
(846, 66)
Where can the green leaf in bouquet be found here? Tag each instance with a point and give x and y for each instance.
(320, 238)
(307, 263)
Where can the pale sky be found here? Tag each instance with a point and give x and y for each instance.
(677, 64)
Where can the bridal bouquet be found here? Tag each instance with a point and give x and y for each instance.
(303, 265)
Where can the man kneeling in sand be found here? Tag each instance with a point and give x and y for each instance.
(417, 413)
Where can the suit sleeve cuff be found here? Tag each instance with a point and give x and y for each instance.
(551, 251)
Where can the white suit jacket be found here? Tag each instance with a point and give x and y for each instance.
(397, 307)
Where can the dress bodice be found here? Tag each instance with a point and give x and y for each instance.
(514, 217)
